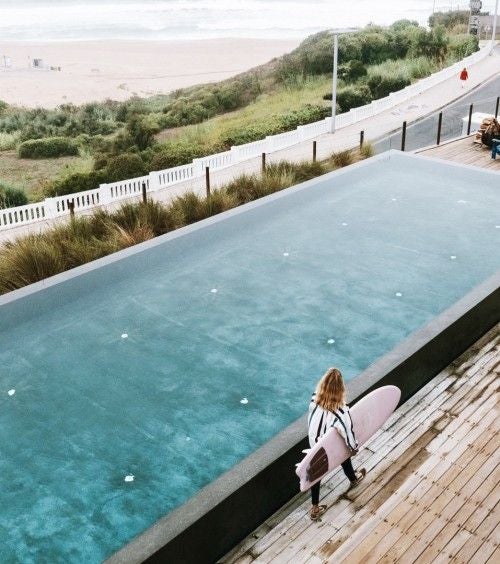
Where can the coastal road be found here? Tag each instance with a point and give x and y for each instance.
(423, 132)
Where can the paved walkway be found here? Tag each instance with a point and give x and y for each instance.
(374, 127)
(432, 489)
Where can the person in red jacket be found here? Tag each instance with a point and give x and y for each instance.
(464, 75)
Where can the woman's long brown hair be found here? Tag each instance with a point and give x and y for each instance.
(330, 393)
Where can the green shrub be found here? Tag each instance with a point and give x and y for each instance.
(382, 85)
(175, 153)
(196, 104)
(352, 71)
(123, 167)
(449, 19)
(353, 97)
(78, 182)
(463, 45)
(142, 131)
(276, 124)
(49, 147)
(11, 197)
(432, 44)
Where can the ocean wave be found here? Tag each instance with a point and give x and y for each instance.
(165, 19)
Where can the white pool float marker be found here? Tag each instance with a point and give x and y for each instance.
(331, 341)
(497, 226)
(214, 290)
(286, 254)
(453, 257)
(11, 392)
(244, 401)
(344, 224)
(129, 478)
(461, 201)
(399, 294)
(124, 335)
(188, 438)
(393, 199)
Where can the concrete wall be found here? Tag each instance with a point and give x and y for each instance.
(228, 509)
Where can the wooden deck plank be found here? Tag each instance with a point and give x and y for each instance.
(416, 521)
(478, 537)
(463, 151)
(432, 483)
(368, 535)
(419, 501)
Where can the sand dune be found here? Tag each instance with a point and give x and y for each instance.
(97, 70)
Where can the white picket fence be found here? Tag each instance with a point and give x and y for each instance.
(109, 193)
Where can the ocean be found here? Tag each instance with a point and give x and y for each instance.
(67, 20)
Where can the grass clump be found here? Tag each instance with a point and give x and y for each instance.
(9, 141)
(342, 158)
(366, 151)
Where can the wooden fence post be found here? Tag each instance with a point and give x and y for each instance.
(144, 196)
(263, 164)
(470, 119)
(403, 137)
(207, 180)
(314, 151)
(440, 123)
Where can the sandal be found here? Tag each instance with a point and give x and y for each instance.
(316, 512)
(359, 478)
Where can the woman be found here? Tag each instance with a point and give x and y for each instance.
(464, 75)
(328, 409)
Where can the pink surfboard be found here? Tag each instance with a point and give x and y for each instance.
(368, 415)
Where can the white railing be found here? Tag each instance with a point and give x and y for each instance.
(117, 191)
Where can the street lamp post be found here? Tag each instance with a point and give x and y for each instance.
(336, 33)
(494, 32)
(334, 80)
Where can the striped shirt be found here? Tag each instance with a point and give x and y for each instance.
(320, 420)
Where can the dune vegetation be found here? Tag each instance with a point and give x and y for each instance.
(69, 149)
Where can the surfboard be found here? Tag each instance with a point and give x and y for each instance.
(368, 415)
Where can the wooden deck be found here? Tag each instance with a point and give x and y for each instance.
(432, 490)
(464, 151)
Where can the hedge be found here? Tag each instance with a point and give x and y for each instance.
(48, 147)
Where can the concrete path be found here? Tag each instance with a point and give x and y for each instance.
(374, 127)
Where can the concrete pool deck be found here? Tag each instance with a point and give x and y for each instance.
(432, 490)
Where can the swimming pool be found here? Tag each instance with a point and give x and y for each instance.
(125, 388)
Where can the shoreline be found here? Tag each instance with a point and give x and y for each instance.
(97, 70)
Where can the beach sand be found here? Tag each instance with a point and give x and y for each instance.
(100, 70)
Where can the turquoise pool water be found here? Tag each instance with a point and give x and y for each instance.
(203, 347)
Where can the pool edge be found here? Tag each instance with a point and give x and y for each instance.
(220, 515)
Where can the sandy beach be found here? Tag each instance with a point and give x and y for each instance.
(117, 70)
